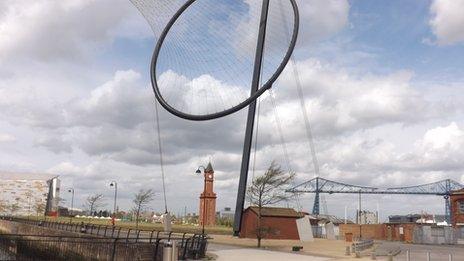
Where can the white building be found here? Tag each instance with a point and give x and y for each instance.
(23, 194)
(368, 217)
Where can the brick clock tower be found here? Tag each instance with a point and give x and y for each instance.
(208, 199)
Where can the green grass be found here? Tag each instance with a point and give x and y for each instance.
(178, 228)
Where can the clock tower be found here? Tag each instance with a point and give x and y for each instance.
(208, 199)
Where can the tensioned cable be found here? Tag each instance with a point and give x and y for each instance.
(256, 139)
(279, 129)
(283, 144)
(309, 135)
(160, 151)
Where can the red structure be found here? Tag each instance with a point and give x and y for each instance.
(281, 221)
(208, 199)
(457, 208)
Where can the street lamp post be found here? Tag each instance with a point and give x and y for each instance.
(115, 185)
(71, 190)
(204, 199)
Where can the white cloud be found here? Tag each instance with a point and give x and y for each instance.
(447, 21)
(322, 18)
(4, 137)
(57, 30)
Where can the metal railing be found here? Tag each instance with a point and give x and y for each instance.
(191, 246)
(362, 245)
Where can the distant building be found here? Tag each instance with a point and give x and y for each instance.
(368, 217)
(402, 219)
(28, 194)
(457, 210)
(226, 213)
(418, 218)
(281, 222)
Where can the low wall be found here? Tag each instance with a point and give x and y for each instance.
(371, 231)
(409, 233)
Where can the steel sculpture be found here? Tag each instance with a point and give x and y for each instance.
(167, 40)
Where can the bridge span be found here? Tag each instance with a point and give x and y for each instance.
(320, 185)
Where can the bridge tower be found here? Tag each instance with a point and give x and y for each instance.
(316, 205)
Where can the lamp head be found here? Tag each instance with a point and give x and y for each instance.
(198, 171)
(111, 184)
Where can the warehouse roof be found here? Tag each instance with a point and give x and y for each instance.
(25, 176)
(277, 212)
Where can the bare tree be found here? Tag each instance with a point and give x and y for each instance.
(93, 202)
(141, 200)
(13, 208)
(266, 190)
(2, 206)
(39, 207)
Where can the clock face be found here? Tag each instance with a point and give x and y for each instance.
(210, 176)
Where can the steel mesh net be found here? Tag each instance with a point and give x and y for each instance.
(205, 64)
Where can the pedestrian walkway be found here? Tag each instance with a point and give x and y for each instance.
(257, 254)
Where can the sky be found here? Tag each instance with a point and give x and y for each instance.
(382, 80)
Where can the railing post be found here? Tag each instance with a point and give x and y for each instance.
(151, 235)
(156, 249)
(119, 231)
(138, 234)
(128, 233)
(113, 254)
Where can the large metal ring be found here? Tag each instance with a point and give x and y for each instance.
(237, 107)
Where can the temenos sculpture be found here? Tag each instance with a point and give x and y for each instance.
(212, 51)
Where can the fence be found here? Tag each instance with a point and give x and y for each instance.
(96, 238)
(317, 232)
(362, 245)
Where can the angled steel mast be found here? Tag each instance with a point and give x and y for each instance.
(250, 120)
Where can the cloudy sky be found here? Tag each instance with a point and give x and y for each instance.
(383, 83)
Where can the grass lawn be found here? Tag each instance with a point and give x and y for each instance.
(178, 228)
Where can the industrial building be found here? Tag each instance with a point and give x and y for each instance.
(23, 194)
(281, 220)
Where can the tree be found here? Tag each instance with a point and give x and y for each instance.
(39, 207)
(2, 206)
(141, 200)
(266, 190)
(13, 208)
(93, 202)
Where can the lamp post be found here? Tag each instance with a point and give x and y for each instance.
(204, 199)
(71, 190)
(115, 185)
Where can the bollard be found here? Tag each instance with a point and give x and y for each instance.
(347, 251)
(373, 256)
(167, 251)
(175, 251)
(428, 256)
(450, 257)
(357, 254)
(390, 257)
(408, 255)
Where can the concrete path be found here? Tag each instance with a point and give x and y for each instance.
(226, 253)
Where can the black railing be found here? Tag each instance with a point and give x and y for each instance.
(191, 246)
